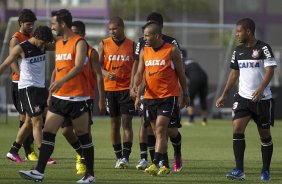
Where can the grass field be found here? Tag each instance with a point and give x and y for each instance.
(207, 155)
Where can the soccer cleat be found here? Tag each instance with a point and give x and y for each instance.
(51, 161)
(236, 174)
(142, 164)
(117, 166)
(265, 176)
(152, 170)
(164, 170)
(32, 156)
(123, 164)
(87, 179)
(80, 167)
(14, 157)
(177, 164)
(204, 123)
(33, 175)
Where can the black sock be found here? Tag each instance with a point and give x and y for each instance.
(143, 150)
(191, 118)
(165, 160)
(118, 150)
(157, 158)
(88, 152)
(126, 150)
(239, 146)
(151, 146)
(46, 150)
(15, 148)
(176, 143)
(266, 152)
(205, 119)
(76, 146)
(27, 144)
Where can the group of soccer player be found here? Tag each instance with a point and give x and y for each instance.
(147, 76)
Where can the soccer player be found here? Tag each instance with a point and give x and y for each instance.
(93, 70)
(146, 135)
(163, 68)
(116, 56)
(197, 85)
(26, 22)
(69, 97)
(253, 63)
(32, 91)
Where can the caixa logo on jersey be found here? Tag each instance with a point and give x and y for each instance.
(249, 64)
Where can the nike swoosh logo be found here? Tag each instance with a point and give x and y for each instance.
(152, 74)
(60, 69)
(116, 67)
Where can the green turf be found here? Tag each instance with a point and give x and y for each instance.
(207, 155)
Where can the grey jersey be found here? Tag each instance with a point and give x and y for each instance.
(32, 67)
(251, 61)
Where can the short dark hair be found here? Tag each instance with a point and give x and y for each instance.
(80, 26)
(43, 33)
(63, 15)
(26, 15)
(117, 20)
(247, 23)
(155, 16)
(156, 26)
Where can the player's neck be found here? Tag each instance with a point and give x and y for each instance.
(158, 44)
(68, 33)
(251, 42)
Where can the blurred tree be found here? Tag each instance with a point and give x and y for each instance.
(168, 8)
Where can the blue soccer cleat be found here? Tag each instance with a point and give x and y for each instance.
(265, 176)
(236, 174)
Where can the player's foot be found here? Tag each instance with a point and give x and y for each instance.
(33, 175)
(142, 164)
(32, 156)
(87, 179)
(14, 157)
(51, 161)
(123, 163)
(265, 176)
(236, 174)
(164, 170)
(152, 170)
(204, 123)
(177, 164)
(79, 165)
(117, 166)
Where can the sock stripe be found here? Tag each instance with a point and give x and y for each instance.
(48, 143)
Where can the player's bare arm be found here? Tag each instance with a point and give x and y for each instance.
(15, 67)
(232, 78)
(15, 53)
(139, 74)
(100, 81)
(258, 94)
(176, 58)
(81, 50)
(109, 75)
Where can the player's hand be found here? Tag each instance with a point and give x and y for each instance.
(258, 95)
(111, 76)
(102, 106)
(185, 102)
(55, 86)
(220, 101)
(133, 94)
(137, 103)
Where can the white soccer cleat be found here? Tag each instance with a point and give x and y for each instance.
(33, 175)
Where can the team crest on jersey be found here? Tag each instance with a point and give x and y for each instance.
(255, 53)
(37, 109)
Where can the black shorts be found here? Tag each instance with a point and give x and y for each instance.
(15, 97)
(67, 122)
(33, 100)
(68, 109)
(162, 106)
(262, 112)
(198, 87)
(119, 102)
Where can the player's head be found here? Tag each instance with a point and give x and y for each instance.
(61, 20)
(26, 21)
(116, 28)
(245, 28)
(156, 17)
(152, 33)
(78, 27)
(43, 35)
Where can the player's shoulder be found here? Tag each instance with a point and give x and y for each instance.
(261, 44)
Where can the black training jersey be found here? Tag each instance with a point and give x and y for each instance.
(32, 66)
(141, 43)
(251, 62)
(193, 70)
